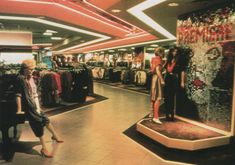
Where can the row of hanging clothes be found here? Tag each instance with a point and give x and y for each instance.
(123, 74)
(129, 76)
(65, 84)
(8, 116)
(8, 75)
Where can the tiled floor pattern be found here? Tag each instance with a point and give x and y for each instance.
(93, 134)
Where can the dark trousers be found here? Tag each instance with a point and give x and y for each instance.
(170, 89)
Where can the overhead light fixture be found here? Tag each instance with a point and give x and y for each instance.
(173, 4)
(112, 15)
(132, 48)
(111, 51)
(43, 44)
(154, 45)
(47, 34)
(51, 31)
(56, 38)
(41, 17)
(136, 44)
(101, 36)
(137, 11)
(116, 11)
(150, 48)
(121, 49)
(82, 41)
(47, 48)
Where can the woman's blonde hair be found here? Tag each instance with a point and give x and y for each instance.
(159, 51)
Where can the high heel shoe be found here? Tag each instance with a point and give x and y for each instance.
(58, 141)
(46, 155)
(157, 121)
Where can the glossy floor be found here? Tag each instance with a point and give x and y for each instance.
(93, 134)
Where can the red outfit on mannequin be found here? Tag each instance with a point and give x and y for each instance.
(157, 82)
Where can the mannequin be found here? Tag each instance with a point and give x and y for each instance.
(28, 103)
(157, 83)
(175, 78)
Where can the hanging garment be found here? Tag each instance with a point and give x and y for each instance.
(49, 88)
(66, 84)
(140, 78)
(80, 85)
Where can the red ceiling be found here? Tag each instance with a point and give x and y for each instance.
(104, 4)
(72, 13)
(116, 43)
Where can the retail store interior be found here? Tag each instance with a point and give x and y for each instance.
(129, 82)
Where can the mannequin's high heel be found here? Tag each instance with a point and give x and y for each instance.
(58, 141)
(46, 155)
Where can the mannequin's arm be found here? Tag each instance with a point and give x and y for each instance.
(158, 71)
(18, 104)
(182, 82)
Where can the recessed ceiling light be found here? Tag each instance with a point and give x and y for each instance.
(43, 44)
(154, 45)
(173, 4)
(56, 38)
(51, 31)
(121, 49)
(47, 48)
(150, 48)
(47, 34)
(132, 48)
(116, 11)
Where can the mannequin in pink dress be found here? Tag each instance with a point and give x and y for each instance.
(157, 83)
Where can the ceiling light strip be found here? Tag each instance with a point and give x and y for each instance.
(136, 44)
(81, 45)
(32, 1)
(123, 29)
(137, 11)
(53, 24)
(102, 37)
(81, 13)
(71, 9)
(111, 14)
(113, 41)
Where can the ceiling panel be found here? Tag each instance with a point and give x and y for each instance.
(94, 16)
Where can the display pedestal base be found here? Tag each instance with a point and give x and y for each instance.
(183, 134)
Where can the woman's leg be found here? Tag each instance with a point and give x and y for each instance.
(53, 132)
(43, 143)
(156, 108)
(44, 150)
(151, 114)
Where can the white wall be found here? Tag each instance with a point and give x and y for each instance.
(14, 58)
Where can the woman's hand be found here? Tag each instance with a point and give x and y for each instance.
(182, 85)
(20, 112)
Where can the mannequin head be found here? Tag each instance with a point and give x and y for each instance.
(27, 67)
(159, 52)
(172, 54)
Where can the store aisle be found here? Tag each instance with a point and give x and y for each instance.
(93, 134)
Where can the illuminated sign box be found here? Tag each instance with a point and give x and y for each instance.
(15, 38)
